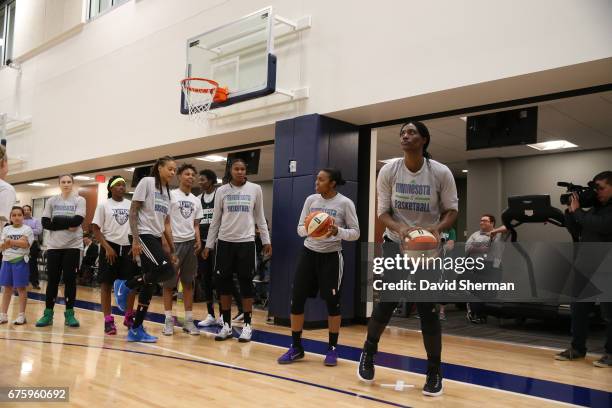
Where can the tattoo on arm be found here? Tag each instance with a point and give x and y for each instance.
(134, 207)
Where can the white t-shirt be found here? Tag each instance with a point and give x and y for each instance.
(185, 209)
(7, 201)
(112, 217)
(155, 207)
(415, 199)
(10, 232)
(58, 207)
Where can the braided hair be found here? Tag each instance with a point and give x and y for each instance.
(155, 173)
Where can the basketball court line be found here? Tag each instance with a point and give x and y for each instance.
(199, 360)
(546, 390)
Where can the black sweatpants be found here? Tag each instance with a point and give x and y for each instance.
(62, 262)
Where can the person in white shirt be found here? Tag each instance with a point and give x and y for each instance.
(149, 221)
(111, 228)
(15, 246)
(238, 207)
(413, 192)
(185, 215)
(7, 192)
(321, 265)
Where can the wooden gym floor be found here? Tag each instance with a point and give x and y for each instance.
(185, 370)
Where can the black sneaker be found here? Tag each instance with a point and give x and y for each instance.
(604, 362)
(365, 370)
(472, 318)
(433, 383)
(569, 355)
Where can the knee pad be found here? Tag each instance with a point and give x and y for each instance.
(297, 306)
(246, 287)
(146, 293)
(333, 305)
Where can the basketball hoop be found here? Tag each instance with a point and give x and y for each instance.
(200, 93)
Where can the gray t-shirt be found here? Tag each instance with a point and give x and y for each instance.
(185, 209)
(237, 210)
(57, 206)
(155, 207)
(415, 199)
(345, 217)
(11, 232)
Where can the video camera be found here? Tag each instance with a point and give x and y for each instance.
(586, 195)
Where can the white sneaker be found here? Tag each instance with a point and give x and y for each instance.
(219, 321)
(190, 328)
(3, 318)
(168, 327)
(239, 318)
(209, 321)
(245, 336)
(225, 333)
(20, 320)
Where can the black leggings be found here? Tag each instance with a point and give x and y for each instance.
(62, 262)
(155, 268)
(430, 328)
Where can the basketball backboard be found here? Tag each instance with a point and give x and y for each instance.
(238, 55)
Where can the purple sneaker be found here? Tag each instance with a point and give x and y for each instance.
(331, 359)
(291, 355)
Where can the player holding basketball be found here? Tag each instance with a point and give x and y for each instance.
(111, 228)
(149, 220)
(185, 215)
(320, 265)
(412, 192)
(238, 207)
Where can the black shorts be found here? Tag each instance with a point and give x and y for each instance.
(318, 272)
(238, 258)
(123, 268)
(155, 265)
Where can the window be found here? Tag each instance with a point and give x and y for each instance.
(97, 7)
(7, 28)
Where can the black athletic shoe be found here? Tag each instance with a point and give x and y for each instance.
(433, 383)
(569, 355)
(365, 371)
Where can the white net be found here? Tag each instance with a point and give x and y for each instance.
(199, 94)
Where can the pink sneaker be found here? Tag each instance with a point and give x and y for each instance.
(128, 320)
(109, 325)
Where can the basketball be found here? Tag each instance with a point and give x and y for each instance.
(420, 241)
(317, 223)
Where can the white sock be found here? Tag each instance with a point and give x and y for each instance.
(168, 314)
(188, 315)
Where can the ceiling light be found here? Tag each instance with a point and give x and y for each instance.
(463, 118)
(219, 181)
(212, 158)
(552, 145)
(464, 171)
(38, 184)
(130, 169)
(83, 178)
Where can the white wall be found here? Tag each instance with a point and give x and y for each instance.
(491, 182)
(112, 89)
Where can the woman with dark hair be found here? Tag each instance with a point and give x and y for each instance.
(238, 208)
(320, 265)
(431, 203)
(149, 221)
(63, 216)
(111, 229)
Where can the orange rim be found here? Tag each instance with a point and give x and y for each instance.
(215, 85)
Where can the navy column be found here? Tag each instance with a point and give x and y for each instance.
(312, 142)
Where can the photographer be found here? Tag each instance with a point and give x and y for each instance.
(594, 225)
